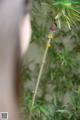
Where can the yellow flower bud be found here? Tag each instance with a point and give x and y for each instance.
(49, 45)
(50, 36)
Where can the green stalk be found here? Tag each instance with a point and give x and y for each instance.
(39, 78)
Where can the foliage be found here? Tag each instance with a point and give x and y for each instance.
(58, 96)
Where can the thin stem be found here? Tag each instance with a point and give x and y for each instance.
(75, 11)
(39, 77)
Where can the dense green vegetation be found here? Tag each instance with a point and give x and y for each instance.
(58, 95)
